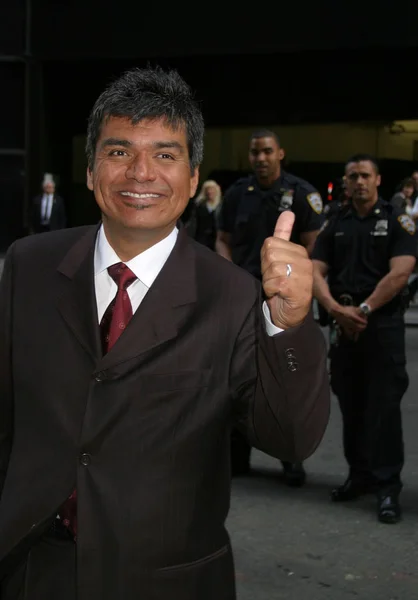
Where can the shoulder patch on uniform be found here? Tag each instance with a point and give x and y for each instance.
(407, 223)
(315, 202)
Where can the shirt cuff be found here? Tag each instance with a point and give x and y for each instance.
(270, 328)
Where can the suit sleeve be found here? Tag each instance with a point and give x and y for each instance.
(280, 387)
(6, 388)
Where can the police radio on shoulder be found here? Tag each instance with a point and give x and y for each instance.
(365, 309)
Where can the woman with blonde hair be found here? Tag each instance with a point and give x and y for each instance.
(205, 214)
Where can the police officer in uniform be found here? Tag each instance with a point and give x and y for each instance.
(248, 216)
(367, 252)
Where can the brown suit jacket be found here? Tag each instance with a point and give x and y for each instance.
(144, 431)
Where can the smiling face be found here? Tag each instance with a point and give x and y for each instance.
(265, 156)
(141, 177)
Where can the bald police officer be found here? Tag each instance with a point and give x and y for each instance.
(247, 217)
(367, 252)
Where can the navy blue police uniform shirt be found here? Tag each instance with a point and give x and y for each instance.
(330, 209)
(249, 213)
(358, 249)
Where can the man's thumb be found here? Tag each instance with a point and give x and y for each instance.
(284, 225)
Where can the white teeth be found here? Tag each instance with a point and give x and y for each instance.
(139, 196)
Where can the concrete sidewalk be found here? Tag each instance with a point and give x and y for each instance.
(411, 315)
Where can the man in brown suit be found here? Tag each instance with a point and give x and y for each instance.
(127, 353)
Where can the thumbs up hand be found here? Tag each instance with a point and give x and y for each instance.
(287, 275)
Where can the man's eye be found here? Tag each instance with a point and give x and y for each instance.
(117, 153)
(165, 155)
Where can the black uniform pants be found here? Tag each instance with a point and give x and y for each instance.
(369, 378)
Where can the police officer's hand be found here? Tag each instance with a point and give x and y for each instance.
(287, 275)
(350, 319)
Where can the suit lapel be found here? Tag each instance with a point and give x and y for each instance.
(158, 318)
(77, 300)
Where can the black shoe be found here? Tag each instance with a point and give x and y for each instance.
(350, 490)
(388, 509)
(294, 474)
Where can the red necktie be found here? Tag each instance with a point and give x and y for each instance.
(114, 322)
(119, 312)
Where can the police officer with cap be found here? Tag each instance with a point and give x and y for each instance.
(247, 217)
(367, 252)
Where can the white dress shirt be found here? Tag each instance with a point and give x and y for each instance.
(46, 208)
(146, 266)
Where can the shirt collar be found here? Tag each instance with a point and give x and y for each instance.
(146, 266)
(275, 186)
(375, 212)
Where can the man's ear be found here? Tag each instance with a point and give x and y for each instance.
(90, 179)
(194, 180)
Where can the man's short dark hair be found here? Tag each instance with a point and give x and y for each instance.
(150, 93)
(356, 158)
(263, 133)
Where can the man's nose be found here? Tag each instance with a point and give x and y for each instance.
(141, 168)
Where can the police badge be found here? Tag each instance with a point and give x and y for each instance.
(381, 227)
(286, 201)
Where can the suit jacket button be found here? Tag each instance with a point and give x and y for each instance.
(101, 376)
(289, 352)
(292, 365)
(85, 460)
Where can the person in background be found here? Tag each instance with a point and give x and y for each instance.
(247, 217)
(203, 224)
(362, 260)
(414, 176)
(403, 199)
(48, 209)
